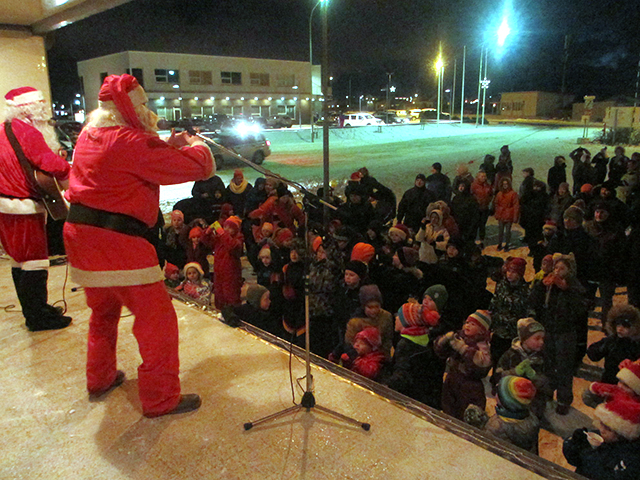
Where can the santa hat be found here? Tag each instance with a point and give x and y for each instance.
(357, 267)
(177, 215)
(517, 265)
(363, 252)
(527, 327)
(195, 265)
(629, 374)
(550, 225)
(621, 415)
(123, 93)
(400, 229)
(170, 269)
(317, 243)
(515, 393)
(195, 232)
(23, 96)
(368, 294)
(481, 318)
(371, 335)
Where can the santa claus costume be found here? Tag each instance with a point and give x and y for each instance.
(119, 165)
(22, 215)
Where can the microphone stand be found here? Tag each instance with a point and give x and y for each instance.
(308, 398)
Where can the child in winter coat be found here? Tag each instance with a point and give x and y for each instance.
(347, 300)
(513, 421)
(256, 310)
(195, 285)
(371, 314)
(370, 357)
(196, 248)
(433, 238)
(171, 275)
(482, 190)
(412, 374)
(628, 386)
(507, 212)
(546, 267)
(227, 243)
(469, 361)
(623, 342)
(613, 451)
(293, 291)
(525, 359)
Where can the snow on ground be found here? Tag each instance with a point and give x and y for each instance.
(395, 154)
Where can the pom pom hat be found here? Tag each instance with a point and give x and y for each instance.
(123, 93)
(630, 374)
(363, 252)
(622, 416)
(23, 96)
(515, 393)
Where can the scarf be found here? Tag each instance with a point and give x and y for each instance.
(238, 189)
(511, 414)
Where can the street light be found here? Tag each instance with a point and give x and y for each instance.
(311, 60)
(440, 72)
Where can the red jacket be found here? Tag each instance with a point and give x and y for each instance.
(227, 267)
(272, 209)
(507, 206)
(483, 193)
(120, 169)
(369, 365)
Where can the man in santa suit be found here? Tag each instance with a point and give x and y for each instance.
(119, 165)
(22, 215)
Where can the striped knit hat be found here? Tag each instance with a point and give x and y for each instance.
(482, 318)
(515, 393)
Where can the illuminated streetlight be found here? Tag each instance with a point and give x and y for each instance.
(503, 31)
(440, 72)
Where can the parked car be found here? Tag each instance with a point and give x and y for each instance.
(279, 121)
(360, 119)
(252, 146)
(390, 118)
(432, 114)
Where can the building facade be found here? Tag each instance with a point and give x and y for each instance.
(533, 104)
(200, 86)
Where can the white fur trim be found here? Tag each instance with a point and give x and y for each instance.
(137, 97)
(25, 98)
(116, 278)
(20, 206)
(628, 377)
(623, 427)
(32, 265)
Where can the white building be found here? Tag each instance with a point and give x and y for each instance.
(185, 85)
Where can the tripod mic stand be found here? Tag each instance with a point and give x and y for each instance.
(308, 400)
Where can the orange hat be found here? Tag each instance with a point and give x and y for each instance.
(195, 232)
(317, 243)
(363, 252)
(283, 235)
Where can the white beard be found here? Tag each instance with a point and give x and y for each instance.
(37, 115)
(105, 117)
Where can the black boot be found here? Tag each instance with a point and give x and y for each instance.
(16, 274)
(38, 313)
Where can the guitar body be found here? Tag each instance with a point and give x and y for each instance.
(51, 196)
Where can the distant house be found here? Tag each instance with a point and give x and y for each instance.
(533, 104)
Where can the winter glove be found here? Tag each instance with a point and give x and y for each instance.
(440, 238)
(476, 416)
(524, 369)
(345, 360)
(458, 344)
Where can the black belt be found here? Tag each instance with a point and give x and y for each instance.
(117, 222)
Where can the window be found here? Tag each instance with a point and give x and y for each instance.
(137, 73)
(282, 109)
(285, 80)
(167, 76)
(103, 75)
(231, 78)
(255, 110)
(237, 110)
(200, 77)
(261, 79)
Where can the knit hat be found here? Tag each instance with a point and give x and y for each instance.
(630, 374)
(238, 173)
(123, 93)
(408, 256)
(357, 267)
(170, 269)
(177, 214)
(233, 222)
(438, 294)
(363, 252)
(574, 213)
(195, 232)
(401, 229)
(515, 393)
(586, 188)
(317, 243)
(621, 415)
(368, 294)
(254, 294)
(267, 226)
(195, 265)
(371, 335)
(23, 96)
(342, 234)
(527, 327)
(409, 314)
(283, 235)
(517, 265)
(421, 176)
(550, 225)
(265, 252)
(482, 318)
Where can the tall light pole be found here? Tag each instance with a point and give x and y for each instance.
(311, 63)
(325, 107)
(440, 72)
(388, 88)
(464, 64)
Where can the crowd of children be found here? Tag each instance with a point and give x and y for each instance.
(402, 298)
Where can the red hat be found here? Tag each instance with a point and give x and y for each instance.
(233, 222)
(371, 335)
(356, 176)
(401, 229)
(517, 265)
(195, 265)
(481, 318)
(170, 269)
(621, 415)
(317, 243)
(630, 374)
(123, 93)
(283, 235)
(23, 96)
(177, 214)
(238, 173)
(586, 188)
(363, 252)
(195, 232)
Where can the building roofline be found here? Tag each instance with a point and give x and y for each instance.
(193, 55)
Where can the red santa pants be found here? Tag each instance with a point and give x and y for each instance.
(24, 238)
(156, 330)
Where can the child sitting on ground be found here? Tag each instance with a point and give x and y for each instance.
(370, 358)
(623, 341)
(613, 451)
(525, 359)
(628, 385)
(469, 361)
(512, 421)
(371, 315)
(171, 275)
(194, 284)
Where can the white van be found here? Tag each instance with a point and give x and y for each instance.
(360, 119)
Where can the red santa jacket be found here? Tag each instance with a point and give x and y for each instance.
(120, 170)
(16, 193)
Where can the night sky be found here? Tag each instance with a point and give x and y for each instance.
(369, 38)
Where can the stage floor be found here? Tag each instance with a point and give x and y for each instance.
(51, 431)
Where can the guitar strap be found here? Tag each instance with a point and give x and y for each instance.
(27, 168)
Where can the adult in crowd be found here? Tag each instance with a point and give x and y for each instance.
(557, 174)
(119, 165)
(23, 232)
(237, 192)
(414, 202)
(439, 183)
